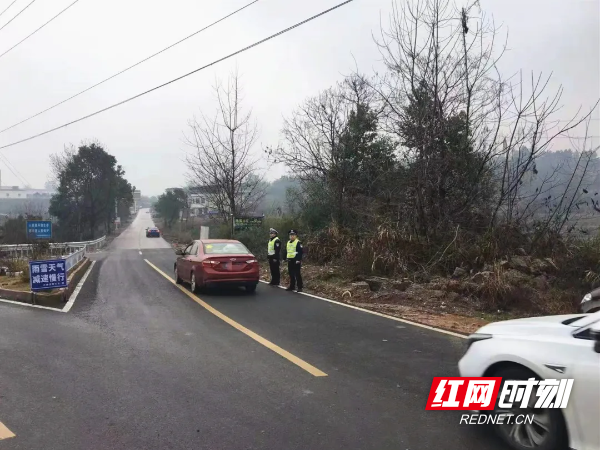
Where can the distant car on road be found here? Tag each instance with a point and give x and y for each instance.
(152, 232)
(553, 347)
(217, 263)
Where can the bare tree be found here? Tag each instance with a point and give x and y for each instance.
(576, 190)
(222, 161)
(59, 161)
(469, 135)
(312, 135)
(33, 208)
(332, 143)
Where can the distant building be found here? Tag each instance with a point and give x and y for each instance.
(15, 192)
(137, 195)
(200, 199)
(15, 200)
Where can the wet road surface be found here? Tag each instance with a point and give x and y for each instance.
(138, 364)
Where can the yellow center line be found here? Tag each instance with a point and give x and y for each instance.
(5, 433)
(261, 340)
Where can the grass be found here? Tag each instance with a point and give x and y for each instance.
(14, 283)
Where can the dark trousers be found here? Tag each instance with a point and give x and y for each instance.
(295, 275)
(275, 271)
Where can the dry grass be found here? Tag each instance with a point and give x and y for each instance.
(456, 305)
(14, 283)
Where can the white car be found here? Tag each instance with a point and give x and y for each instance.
(591, 302)
(552, 347)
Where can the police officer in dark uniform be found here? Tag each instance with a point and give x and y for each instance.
(294, 260)
(274, 255)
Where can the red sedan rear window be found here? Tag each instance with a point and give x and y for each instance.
(225, 248)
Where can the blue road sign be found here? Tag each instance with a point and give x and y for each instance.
(48, 274)
(39, 229)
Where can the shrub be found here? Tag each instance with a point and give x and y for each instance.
(17, 265)
(256, 238)
(25, 276)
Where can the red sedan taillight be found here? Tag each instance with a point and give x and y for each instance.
(210, 263)
(251, 261)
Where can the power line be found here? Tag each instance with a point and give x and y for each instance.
(15, 172)
(576, 137)
(262, 41)
(6, 9)
(130, 67)
(565, 120)
(18, 14)
(31, 34)
(18, 174)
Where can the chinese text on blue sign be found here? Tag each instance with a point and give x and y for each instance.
(48, 274)
(244, 223)
(39, 229)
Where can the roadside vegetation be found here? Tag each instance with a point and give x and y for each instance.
(92, 191)
(435, 184)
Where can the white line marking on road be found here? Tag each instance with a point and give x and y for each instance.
(397, 319)
(3, 300)
(140, 252)
(73, 297)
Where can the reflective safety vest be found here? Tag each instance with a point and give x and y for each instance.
(291, 249)
(271, 247)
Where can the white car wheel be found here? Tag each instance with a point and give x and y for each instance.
(548, 430)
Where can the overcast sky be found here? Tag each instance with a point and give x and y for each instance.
(95, 39)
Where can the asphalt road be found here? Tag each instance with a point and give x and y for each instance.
(138, 364)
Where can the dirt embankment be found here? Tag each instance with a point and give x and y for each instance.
(461, 303)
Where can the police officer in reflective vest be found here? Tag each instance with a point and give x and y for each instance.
(274, 255)
(294, 260)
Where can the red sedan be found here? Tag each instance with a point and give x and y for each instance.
(217, 262)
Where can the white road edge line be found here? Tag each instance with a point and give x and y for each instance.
(3, 300)
(397, 319)
(75, 293)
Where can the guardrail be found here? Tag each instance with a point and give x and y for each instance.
(71, 252)
(56, 248)
(74, 258)
(90, 246)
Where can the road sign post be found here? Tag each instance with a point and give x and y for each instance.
(39, 229)
(50, 274)
(204, 232)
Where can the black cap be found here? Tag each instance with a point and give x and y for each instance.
(292, 232)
